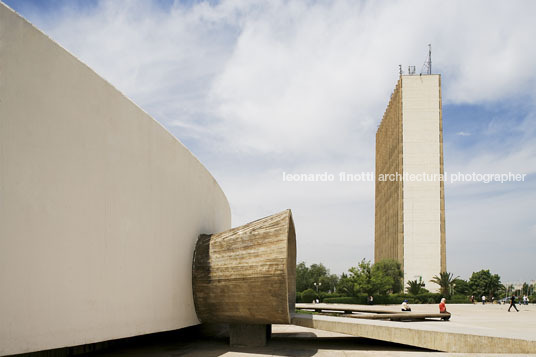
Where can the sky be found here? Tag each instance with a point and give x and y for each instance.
(258, 89)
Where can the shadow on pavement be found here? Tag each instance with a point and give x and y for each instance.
(301, 344)
(196, 341)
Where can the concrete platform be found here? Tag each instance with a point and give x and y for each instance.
(472, 328)
(287, 340)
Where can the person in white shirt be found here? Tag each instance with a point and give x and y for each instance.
(405, 306)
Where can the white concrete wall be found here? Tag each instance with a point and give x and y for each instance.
(421, 200)
(100, 206)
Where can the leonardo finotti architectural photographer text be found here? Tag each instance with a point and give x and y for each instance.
(413, 177)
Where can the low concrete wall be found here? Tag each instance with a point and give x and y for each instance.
(100, 206)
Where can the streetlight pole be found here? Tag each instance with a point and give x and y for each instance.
(317, 285)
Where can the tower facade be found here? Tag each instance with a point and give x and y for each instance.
(409, 190)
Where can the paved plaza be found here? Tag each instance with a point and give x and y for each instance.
(488, 320)
(472, 328)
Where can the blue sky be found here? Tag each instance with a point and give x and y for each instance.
(258, 88)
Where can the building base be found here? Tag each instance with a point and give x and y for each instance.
(249, 335)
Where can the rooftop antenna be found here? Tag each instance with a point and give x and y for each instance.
(427, 66)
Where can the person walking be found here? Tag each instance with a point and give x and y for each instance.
(472, 299)
(513, 303)
(483, 299)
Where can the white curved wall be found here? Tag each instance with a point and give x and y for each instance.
(100, 207)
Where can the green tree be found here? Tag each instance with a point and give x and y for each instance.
(507, 290)
(306, 277)
(393, 269)
(414, 287)
(317, 271)
(461, 287)
(485, 283)
(445, 280)
(329, 282)
(302, 277)
(525, 289)
(309, 295)
(501, 292)
(345, 286)
(369, 280)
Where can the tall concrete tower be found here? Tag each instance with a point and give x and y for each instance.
(409, 198)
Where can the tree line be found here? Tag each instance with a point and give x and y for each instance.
(385, 278)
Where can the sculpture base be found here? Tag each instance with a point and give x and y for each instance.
(249, 335)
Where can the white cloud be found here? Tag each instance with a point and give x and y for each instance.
(463, 133)
(496, 230)
(255, 88)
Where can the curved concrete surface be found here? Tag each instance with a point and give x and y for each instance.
(100, 206)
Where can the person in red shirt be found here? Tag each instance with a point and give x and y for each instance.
(443, 306)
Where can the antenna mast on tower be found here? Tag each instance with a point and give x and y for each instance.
(427, 66)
